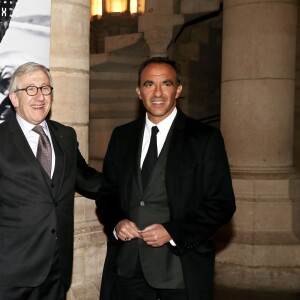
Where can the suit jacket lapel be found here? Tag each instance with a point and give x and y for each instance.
(161, 159)
(138, 152)
(60, 163)
(24, 149)
(175, 154)
(132, 152)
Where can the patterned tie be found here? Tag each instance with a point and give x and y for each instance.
(44, 153)
(151, 157)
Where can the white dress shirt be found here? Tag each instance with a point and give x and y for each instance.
(33, 137)
(163, 127)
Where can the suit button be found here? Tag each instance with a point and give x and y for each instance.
(142, 203)
(52, 185)
(55, 204)
(53, 231)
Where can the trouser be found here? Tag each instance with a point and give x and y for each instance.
(51, 289)
(138, 289)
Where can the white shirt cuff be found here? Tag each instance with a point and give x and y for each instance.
(172, 243)
(115, 233)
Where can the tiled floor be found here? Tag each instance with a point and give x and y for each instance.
(231, 294)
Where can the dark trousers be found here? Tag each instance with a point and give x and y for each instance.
(138, 289)
(51, 289)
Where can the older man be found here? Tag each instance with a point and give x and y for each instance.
(40, 166)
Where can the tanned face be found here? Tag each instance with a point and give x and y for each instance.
(159, 91)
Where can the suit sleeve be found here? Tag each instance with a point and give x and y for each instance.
(88, 180)
(108, 208)
(210, 198)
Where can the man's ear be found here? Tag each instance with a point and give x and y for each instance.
(137, 89)
(13, 99)
(178, 91)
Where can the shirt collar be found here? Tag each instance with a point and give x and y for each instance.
(27, 127)
(164, 125)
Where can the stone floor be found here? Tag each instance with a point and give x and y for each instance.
(233, 294)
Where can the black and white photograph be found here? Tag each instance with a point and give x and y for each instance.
(24, 36)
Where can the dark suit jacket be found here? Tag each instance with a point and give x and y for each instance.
(36, 214)
(200, 197)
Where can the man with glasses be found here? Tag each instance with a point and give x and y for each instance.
(40, 168)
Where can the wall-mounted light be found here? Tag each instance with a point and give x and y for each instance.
(137, 6)
(101, 7)
(96, 8)
(115, 6)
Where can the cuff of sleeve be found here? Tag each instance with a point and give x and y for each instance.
(115, 234)
(172, 243)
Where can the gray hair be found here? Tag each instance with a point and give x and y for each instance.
(25, 69)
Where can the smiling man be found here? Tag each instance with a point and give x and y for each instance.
(166, 191)
(40, 168)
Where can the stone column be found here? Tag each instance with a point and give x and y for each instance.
(157, 25)
(69, 64)
(297, 100)
(257, 121)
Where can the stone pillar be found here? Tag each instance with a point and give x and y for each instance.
(157, 25)
(69, 64)
(297, 100)
(257, 121)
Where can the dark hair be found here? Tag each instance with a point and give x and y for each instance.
(158, 60)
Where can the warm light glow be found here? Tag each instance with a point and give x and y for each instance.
(137, 6)
(116, 6)
(141, 6)
(96, 7)
(133, 6)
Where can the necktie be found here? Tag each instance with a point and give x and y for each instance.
(44, 152)
(150, 157)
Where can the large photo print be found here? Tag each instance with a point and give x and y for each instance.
(24, 36)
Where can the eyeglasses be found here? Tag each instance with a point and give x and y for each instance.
(33, 90)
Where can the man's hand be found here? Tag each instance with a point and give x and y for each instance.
(155, 235)
(127, 230)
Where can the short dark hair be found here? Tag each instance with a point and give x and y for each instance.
(158, 60)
